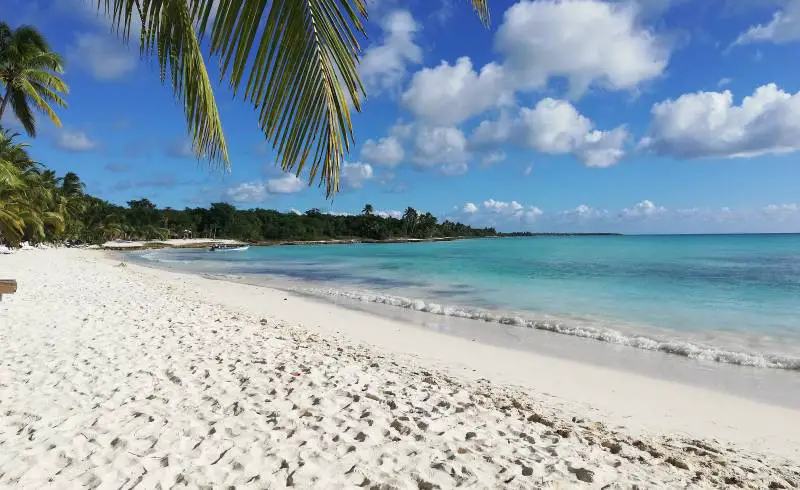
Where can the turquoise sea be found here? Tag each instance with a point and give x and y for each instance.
(726, 298)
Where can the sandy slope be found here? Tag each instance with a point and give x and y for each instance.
(114, 377)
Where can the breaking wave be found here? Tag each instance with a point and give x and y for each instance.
(676, 347)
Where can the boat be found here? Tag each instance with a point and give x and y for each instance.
(227, 247)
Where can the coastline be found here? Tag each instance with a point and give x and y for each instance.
(206, 242)
(123, 332)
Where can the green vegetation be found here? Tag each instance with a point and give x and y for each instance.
(143, 220)
(38, 206)
(30, 75)
(301, 77)
(312, 117)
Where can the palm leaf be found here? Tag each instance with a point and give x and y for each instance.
(19, 104)
(168, 32)
(294, 60)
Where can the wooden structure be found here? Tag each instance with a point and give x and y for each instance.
(7, 286)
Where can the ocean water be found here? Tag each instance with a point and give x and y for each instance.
(723, 298)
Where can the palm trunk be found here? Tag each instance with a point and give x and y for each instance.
(5, 102)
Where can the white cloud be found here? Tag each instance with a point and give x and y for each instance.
(389, 213)
(386, 151)
(493, 212)
(643, 209)
(723, 82)
(383, 67)
(354, 175)
(435, 146)
(783, 28)
(585, 41)
(709, 124)
(528, 170)
(248, 192)
(555, 127)
(105, 56)
(258, 191)
(288, 184)
(642, 217)
(295, 211)
(449, 94)
(74, 141)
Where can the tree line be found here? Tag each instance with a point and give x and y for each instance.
(36, 205)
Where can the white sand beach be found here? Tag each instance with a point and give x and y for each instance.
(121, 376)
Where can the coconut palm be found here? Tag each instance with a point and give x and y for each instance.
(368, 210)
(294, 60)
(29, 75)
(30, 207)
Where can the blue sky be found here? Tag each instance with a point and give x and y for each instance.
(585, 115)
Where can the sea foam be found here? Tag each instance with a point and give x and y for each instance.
(678, 347)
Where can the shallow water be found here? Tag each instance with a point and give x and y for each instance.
(725, 298)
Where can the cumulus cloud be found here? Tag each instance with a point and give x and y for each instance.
(76, 141)
(710, 124)
(258, 191)
(106, 57)
(643, 217)
(585, 41)
(493, 212)
(643, 209)
(783, 28)
(386, 151)
(248, 192)
(449, 94)
(434, 146)
(389, 213)
(383, 66)
(355, 175)
(288, 184)
(554, 127)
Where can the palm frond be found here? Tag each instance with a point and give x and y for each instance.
(19, 104)
(304, 49)
(168, 32)
(294, 60)
(481, 8)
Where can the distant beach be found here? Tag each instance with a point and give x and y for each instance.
(116, 373)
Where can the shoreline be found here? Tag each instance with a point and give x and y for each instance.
(87, 340)
(206, 242)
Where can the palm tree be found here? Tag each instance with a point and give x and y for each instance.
(410, 217)
(301, 78)
(368, 210)
(30, 207)
(29, 73)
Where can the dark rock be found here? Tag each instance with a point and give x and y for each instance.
(676, 463)
(527, 470)
(612, 446)
(583, 474)
(471, 435)
(538, 419)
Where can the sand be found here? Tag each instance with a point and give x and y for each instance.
(117, 376)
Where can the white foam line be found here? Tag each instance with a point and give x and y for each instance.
(677, 347)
